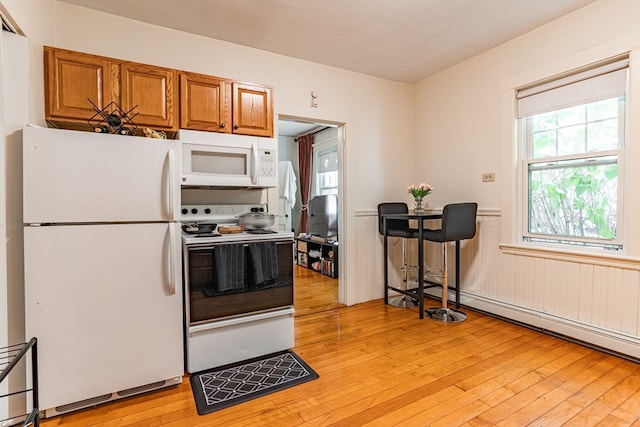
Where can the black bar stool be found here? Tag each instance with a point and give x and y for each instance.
(458, 223)
(398, 228)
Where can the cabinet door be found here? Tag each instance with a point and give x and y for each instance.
(71, 78)
(205, 103)
(152, 91)
(252, 110)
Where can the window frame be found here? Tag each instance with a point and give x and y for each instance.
(320, 149)
(524, 138)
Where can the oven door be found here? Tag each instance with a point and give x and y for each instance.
(224, 280)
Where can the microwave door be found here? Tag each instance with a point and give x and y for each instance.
(240, 162)
(217, 165)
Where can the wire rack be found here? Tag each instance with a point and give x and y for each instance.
(10, 356)
(112, 119)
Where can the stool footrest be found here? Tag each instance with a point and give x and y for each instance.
(445, 315)
(403, 301)
(411, 293)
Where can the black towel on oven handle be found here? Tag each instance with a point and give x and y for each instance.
(229, 267)
(263, 262)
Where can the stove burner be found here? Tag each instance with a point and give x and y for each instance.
(214, 234)
(261, 231)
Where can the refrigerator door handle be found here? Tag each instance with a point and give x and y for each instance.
(172, 258)
(171, 185)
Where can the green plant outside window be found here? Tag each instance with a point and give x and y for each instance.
(573, 171)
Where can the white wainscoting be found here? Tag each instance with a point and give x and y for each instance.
(368, 250)
(369, 254)
(595, 299)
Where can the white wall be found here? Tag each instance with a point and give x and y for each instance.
(35, 19)
(13, 114)
(458, 112)
(14, 81)
(465, 127)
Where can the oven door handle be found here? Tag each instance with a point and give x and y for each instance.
(215, 324)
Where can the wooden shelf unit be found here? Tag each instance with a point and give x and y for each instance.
(320, 256)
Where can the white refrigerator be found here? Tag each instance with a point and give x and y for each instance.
(102, 256)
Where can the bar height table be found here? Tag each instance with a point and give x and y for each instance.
(420, 217)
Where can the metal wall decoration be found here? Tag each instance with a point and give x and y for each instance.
(112, 119)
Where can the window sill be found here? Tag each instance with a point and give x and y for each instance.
(593, 258)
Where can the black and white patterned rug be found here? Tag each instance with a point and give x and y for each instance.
(229, 385)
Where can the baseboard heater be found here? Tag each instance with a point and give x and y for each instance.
(610, 342)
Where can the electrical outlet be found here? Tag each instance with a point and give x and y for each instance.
(488, 177)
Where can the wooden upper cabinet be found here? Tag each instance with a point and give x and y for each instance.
(205, 103)
(252, 109)
(71, 79)
(150, 93)
(154, 97)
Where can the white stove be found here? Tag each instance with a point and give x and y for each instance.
(226, 215)
(238, 289)
(222, 214)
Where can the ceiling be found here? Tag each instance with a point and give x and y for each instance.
(400, 40)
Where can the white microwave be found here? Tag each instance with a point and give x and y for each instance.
(226, 160)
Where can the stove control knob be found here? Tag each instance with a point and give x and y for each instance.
(207, 211)
(185, 211)
(261, 209)
(254, 209)
(194, 211)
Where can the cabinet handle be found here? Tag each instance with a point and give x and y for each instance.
(223, 125)
(236, 126)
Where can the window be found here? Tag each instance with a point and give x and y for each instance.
(327, 171)
(572, 132)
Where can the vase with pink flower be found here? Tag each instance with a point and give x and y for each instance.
(419, 192)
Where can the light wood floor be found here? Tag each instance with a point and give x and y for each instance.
(314, 292)
(383, 366)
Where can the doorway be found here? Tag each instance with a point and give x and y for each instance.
(326, 170)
